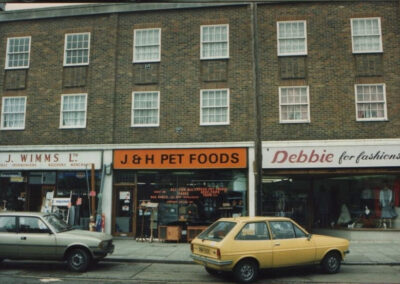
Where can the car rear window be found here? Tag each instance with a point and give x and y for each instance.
(217, 231)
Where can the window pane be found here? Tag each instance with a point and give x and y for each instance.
(77, 49)
(214, 40)
(145, 108)
(147, 45)
(13, 115)
(292, 38)
(18, 52)
(214, 106)
(366, 35)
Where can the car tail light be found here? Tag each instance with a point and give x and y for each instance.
(218, 254)
(191, 247)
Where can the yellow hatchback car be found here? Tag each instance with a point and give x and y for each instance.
(245, 245)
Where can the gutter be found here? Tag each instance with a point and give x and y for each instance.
(98, 9)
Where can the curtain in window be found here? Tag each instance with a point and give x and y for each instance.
(366, 35)
(74, 110)
(147, 45)
(292, 38)
(214, 41)
(14, 113)
(370, 101)
(215, 106)
(145, 108)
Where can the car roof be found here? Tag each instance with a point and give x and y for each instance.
(254, 219)
(21, 213)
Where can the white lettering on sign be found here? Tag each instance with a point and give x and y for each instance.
(331, 157)
(50, 160)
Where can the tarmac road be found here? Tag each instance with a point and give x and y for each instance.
(117, 272)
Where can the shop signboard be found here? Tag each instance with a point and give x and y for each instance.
(52, 160)
(205, 158)
(308, 156)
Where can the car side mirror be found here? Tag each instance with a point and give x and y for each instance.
(309, 236)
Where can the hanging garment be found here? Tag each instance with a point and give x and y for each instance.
(386, 199)
(377, 207)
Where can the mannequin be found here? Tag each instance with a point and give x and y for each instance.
(386, 202)
(344, 217)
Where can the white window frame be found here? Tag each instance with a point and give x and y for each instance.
(7, 53)
(281, 120)
(227, 122)
(3, 114)
(158, 59)
(65, 50)
(62, 111)
(304, 52)
(133, 109)
(380, 50)
(384, 118)
(227, 43)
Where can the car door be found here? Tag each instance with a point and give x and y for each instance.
(291, 246)
(254, 240)
(8, 237)
(35, 239)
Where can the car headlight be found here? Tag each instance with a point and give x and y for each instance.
(103, 244)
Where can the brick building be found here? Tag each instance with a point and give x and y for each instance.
(203, 110)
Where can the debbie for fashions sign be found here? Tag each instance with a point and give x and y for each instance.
(331, 156)
(50, 160)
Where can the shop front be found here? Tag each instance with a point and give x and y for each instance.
(51, 181)
(335, 185)
(170, 194)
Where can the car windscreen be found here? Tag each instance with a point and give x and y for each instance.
(57, 223)
(217, 231)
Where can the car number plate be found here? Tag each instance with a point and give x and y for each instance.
(204, 250)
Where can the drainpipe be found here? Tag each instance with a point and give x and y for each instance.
(257, 113)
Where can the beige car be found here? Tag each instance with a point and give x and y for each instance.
(43, 236)
(244, 245)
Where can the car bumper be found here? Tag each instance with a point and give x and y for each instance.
(205, 260)
(99, 253)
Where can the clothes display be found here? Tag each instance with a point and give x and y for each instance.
(344, 217)
(386, 201)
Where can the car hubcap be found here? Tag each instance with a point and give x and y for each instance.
(247, 272)
(77, 260)
(332, 263)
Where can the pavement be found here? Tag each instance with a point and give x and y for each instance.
(131, 250)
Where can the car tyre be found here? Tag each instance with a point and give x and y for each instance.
(331, 263)
(246, 271)
(78, 260)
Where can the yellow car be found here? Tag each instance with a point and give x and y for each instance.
(245, 245)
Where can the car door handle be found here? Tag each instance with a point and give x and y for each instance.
(277, 244)
(23, 238)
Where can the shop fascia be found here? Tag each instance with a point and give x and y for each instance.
(330, 156)
(51, 160)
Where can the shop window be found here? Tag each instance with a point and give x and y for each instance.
(192, 197)
(335, 201)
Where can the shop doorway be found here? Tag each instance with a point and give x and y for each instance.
(125, 204)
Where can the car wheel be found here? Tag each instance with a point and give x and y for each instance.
(78, 260)
(246, 271)
(331, 263)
